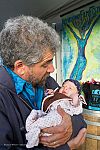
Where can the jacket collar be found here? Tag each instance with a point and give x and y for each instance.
(6, 80)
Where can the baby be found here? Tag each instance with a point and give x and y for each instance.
(68, 97)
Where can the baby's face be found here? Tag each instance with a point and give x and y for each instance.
(69, 89)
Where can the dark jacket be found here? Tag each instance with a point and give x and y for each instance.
(51, 83)
(13, 113)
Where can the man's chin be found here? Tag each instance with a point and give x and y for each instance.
(41, 82)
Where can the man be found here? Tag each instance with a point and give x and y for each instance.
(27, 48)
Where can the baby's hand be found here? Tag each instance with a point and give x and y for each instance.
(49, 92)
(75, 100)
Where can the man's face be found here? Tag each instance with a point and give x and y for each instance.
(37, 73)
(69, 89)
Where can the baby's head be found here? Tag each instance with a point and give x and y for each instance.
(70, 87)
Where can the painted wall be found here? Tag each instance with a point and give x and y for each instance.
(81, 44)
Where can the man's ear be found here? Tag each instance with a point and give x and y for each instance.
(19, 67)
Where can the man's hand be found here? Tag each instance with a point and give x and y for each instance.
(78, 140)
(59, 134)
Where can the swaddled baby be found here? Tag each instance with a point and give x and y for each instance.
(68, 97)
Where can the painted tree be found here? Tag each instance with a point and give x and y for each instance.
(84, 24)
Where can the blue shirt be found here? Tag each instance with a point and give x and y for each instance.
(34, 97)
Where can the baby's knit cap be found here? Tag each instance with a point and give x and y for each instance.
(77, 84)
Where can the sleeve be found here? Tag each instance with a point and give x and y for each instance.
(77, 123)
(6, 135)
(62, 147)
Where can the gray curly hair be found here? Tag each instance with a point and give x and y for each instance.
(26, 38)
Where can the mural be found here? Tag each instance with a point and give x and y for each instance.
(81, 44)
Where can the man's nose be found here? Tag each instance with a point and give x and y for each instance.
(50, 68)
